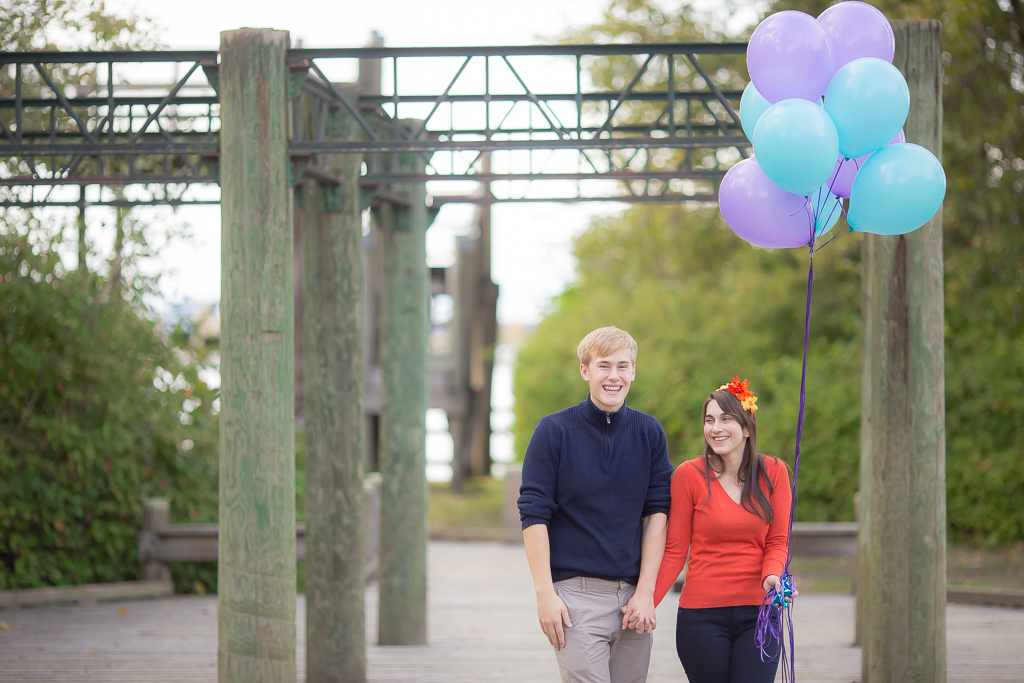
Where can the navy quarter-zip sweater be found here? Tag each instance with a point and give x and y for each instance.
(592, 477)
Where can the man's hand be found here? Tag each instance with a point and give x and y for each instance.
(552, 613)
(639, 615)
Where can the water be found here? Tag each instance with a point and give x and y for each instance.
(441, 448)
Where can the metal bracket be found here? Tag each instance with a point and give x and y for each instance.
(299, 162)
(212, 71)
(331, 198)
(211, 162)
(298, 70)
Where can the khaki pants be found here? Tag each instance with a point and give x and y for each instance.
(597, 649)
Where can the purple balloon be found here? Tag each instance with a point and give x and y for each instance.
(857, 30)
(840, 183)
(761, 212)
(841, 180)
(790, 55)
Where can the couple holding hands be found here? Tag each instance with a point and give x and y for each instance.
(608, 528)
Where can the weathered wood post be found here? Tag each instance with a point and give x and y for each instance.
(475, 334)
(156, 514)
(333, 329)
(902, 545)
(404, 376)
(369, 84)
(256, 558)
(474, 328)
(484, 339)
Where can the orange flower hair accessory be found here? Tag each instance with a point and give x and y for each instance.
(741, 391)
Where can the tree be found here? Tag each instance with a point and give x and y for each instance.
(101, 403)
(706, 306)
(983, 156)
(63, 25)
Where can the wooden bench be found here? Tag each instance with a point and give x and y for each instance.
(161, 542)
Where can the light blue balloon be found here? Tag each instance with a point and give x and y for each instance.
(899, 189)
(752, 105)
(827, 209)
(868, 100)
(796, 144)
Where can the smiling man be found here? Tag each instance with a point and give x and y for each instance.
(594, 504)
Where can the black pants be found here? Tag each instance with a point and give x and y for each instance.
(716, 645)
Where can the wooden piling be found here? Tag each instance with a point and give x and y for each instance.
(404, 375)
(902, 546)
(256, 558)
(334, 421)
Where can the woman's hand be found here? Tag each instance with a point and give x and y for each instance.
(773, 582)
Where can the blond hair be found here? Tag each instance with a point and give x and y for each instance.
(603, 342)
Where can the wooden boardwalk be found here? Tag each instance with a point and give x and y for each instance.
(482, 628)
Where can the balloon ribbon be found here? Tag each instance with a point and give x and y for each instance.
(775, 617)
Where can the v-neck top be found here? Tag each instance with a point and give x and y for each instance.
(730, 549)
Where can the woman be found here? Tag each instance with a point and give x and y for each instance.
(730, 515)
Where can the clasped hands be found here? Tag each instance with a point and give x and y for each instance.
(638, 615)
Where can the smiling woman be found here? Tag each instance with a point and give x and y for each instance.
(729, 515)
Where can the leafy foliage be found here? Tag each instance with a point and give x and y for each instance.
(69, 25)
(100, 406)
(96, 413)
(705, 306)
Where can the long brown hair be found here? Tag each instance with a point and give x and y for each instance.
(753, 497)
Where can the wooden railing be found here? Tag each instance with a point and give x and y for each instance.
(161, 543)
(810, 539)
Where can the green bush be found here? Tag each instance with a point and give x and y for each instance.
(97, 412)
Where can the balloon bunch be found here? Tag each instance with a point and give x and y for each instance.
(825, 111)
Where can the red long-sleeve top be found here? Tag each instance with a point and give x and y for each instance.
(731, 550)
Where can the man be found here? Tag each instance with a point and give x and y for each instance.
(594, 504)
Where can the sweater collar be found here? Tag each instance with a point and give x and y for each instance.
(600, 418)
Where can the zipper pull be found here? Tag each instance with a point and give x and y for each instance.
(608, 418)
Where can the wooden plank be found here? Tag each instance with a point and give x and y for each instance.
(93, 592)
(976, 595)
(824, 539)
(482, 621)
(492, 535)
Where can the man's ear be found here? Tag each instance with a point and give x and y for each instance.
(584, 372)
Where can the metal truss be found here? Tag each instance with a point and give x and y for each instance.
(665, 130)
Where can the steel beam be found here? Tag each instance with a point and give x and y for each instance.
(110, 133)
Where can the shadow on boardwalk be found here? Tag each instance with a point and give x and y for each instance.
(482, 628)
